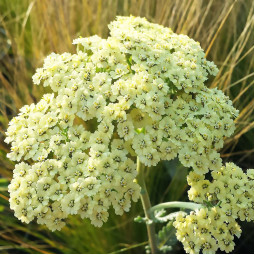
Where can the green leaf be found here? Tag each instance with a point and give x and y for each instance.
(167, 237)
(139, 219)
(145, 220)
(161, 216)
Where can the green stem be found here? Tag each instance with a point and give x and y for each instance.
(176, 204)
(146, 207)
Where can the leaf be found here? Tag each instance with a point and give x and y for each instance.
(167, 237)
(161, 217)
(145, 220)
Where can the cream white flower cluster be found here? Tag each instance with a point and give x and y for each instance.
(206, 230)
(140, 92)
(230, 186)
(231, 195)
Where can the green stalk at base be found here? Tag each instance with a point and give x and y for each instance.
(146, 207)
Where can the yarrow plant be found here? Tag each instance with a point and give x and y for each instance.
(118, 105)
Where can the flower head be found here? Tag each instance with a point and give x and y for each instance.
(140, 92)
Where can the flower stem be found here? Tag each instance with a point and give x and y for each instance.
(176, 204)
(146, 207)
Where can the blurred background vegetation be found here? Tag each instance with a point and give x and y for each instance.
(30, 30)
